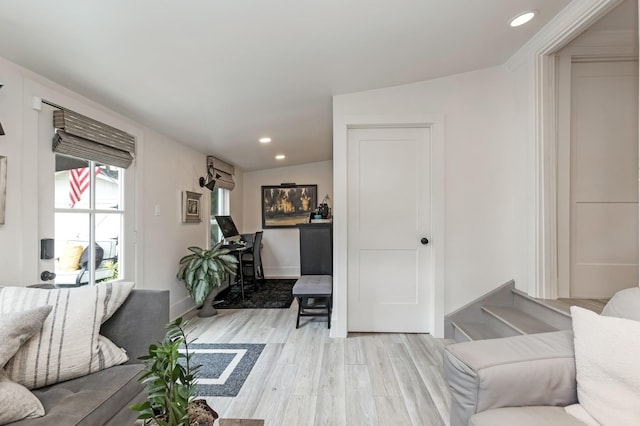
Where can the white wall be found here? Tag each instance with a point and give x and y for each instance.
(169, 169)
(523, 176)
(162, 170)
(11, 241)
(281, 251)
(481, 145)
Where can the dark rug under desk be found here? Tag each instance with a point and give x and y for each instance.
(271, 294)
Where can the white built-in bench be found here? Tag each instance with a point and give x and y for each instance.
(315, 296)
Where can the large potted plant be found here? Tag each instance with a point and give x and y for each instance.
(169, 379)
(203, 270)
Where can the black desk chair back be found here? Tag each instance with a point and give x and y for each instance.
(84, 261)
(252, 260)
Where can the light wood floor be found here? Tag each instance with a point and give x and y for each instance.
(595, 305)
(304, 377)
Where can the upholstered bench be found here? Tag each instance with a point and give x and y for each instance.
(314, 294)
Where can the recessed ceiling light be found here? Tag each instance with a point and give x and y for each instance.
(265, 140)
(522, 18)
(280, 157)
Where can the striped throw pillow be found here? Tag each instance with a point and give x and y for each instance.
(69, 344)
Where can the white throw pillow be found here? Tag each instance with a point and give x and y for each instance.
(69, 344)
(18, 327)
(17, 402)
(607, 351)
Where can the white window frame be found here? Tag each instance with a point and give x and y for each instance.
(224, 201)
(92, 211)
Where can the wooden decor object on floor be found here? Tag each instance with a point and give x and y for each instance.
(241, 422)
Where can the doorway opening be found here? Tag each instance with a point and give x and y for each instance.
(549, 279)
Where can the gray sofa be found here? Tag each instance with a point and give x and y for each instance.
(103, 398)
(523, 380)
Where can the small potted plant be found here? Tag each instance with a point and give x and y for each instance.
(169, 378)
(203, 270)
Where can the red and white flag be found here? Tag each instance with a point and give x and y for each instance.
(78, 183)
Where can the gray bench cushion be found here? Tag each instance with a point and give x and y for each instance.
(313, 285)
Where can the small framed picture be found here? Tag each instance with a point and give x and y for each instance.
(191, 207)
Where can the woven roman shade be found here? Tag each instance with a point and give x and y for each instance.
(86, 138)
(225, 170)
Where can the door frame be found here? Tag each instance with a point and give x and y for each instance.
(434, 122)
(538, 55)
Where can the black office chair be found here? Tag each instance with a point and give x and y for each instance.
(252, 261)
(84, 265)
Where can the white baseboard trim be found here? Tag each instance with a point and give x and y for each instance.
(181, 308)
(282, 272)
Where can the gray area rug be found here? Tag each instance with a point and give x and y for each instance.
(225, 366)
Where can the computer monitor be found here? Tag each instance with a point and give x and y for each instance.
(228, 228)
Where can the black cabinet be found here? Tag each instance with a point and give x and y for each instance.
(316, 248)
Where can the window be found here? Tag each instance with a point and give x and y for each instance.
(219, 206)
(89, 219)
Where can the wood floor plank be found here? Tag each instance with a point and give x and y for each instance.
(309, 369)
(392, 411)
(360, 404)
(422, 351)
(383, 377)
(331, 406)
(420, 405)
(330, 411)
(332, 367)
(301, 410)
(355, 351)
(245, 404)
(434, 380)
(426, 355)
(275, 394)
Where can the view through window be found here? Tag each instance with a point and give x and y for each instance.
(88, 221)
(219, 206)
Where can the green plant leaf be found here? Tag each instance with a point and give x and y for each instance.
(205, 269)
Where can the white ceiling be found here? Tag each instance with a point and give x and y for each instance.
(219, 74)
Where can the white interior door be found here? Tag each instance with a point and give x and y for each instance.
(604, 178)
(390, 274)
